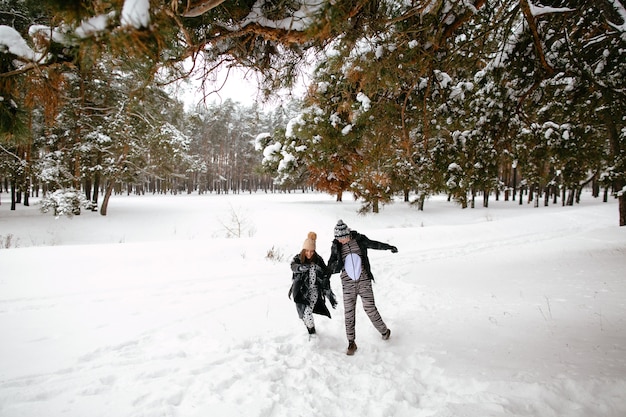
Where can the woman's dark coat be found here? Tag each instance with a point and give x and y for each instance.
(300, 285)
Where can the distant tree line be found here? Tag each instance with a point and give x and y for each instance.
(97, 148)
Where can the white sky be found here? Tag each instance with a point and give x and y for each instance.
(240, 86)
(237, 87)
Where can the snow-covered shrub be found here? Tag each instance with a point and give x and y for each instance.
(274, 254)
(8, 241)
(65, 202)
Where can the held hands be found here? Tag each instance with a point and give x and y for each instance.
(393, 249)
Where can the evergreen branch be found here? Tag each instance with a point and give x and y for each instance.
(11, 153)
(202, 8)
(532, 24)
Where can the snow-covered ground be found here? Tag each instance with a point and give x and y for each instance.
(154, 311)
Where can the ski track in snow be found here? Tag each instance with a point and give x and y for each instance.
(201, 356)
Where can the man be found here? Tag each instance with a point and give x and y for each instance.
(348, 255)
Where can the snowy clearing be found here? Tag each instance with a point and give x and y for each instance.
(153, 311)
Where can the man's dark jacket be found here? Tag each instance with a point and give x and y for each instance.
(335, 262)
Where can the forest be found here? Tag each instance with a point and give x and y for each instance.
(515, 99)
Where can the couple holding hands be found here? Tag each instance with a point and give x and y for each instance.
(311, 280)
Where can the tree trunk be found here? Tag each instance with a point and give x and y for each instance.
(622, 209)
(27, 197)
(463, 201)
(570, 198)
(515, 183)
(13, 196)
(595, 187)
(420, 205)
(87, 185)
(105, 200)
(616, 149)
(96, 191)
(27, 176)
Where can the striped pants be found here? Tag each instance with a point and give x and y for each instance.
(363, 288)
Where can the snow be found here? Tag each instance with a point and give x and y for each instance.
(12, 41)
(502, 57)
(430, 7)
(300, 20)
(93, 25)
(152, 311)
(365, 101)
(539, 10)
(293, 125)
(50, 34)
(260, 139)
(379, 51)
(136, 13)
(286, 160)
(621, 10)
(270, 151)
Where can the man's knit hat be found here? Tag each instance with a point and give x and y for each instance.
(309, 242)
(341, 230)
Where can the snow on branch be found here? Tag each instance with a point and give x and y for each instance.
(136, 13)
(298, 21)
(93, 25)
(202, 8)
(539, 10)
(429, 7)
(503, 56)
(49, 34)
(621, 10)
(11, 41)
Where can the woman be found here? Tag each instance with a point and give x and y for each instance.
(310, 284)
(348, 255)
